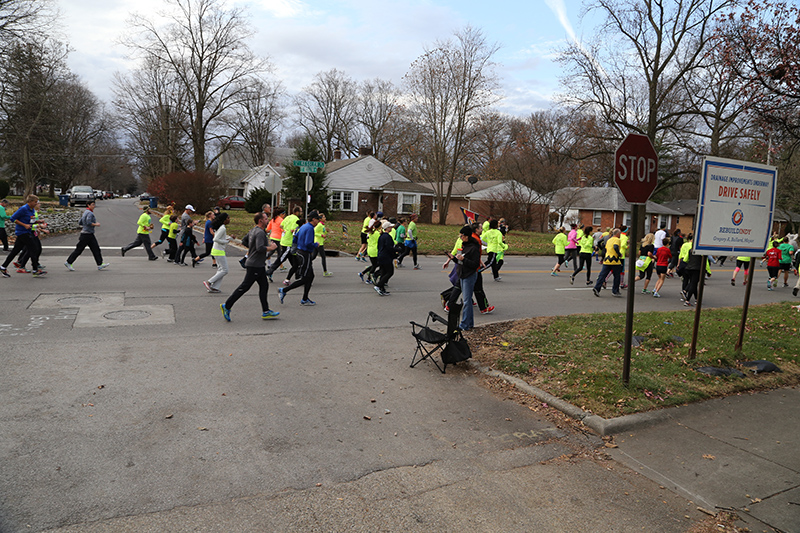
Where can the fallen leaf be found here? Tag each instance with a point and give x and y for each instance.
(367, 417)
(611, 445)
(168, 416)
(101, 386)
(708, 456)
(201, 428)
(373, 400)
(755, 500)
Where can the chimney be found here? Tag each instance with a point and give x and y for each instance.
(337, 155)
(583, 182)
(364, 150)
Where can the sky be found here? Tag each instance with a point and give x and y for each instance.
(365, 39)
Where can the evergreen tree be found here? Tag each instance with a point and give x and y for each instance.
(294, 184)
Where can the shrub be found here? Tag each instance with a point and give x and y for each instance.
(256, 200)
(201, 189)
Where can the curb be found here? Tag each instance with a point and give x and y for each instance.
(601, 426)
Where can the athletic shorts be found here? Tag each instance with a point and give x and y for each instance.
(661, 269)
(773, 271)
(743, 264)
(363, 238)
(786, 267)
(560, 259)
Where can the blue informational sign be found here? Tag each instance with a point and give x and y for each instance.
(735, 208)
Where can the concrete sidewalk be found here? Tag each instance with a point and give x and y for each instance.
(740, 452)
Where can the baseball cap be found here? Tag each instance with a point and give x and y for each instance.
(386, 225)
(190, 207)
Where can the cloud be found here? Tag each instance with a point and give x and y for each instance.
(285, 8)
(560, 11)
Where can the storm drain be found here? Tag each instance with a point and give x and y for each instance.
(134, 314)
(78, 301)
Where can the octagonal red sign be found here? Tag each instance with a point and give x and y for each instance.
(636, 168)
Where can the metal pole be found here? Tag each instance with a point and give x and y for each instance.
(746, 305)
(633, 244)
(698, 308)
(305, 213)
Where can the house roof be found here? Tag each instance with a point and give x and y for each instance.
(257, 174)
(687, 206)
(237, 158)
(403, 186)
(462, 188)
(602, 199)
(363, 173)
(505, 188)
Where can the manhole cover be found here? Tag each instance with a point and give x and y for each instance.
(126, 315)
(77, 301)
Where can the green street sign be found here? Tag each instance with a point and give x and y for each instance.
(308, 170)
(308, 164)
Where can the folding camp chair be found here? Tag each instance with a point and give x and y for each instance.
(450, 342)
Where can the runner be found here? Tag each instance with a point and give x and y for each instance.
(257, 244)
(647, 255)
(585, 247)
(165, 222)
(742, 262)
(364, 234)
(386, 254)
(87, 238)
(320, 232)
(612, 263)
(663, 257)
(373, 233)
(787, 251)
(221, 241)
(24, 219)
(304, 258)
(495, 248)
(410, 242)
(208, 239)
(143, 228)
(4, 217)
(559, 242)
(773, 257)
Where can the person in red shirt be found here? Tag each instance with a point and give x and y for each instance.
(663, 257)
(773, 257)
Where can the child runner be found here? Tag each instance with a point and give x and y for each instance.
(165, 222)
(221, 240)
(364, 235)
(143, 228)
(373, 233)
(187, 243)
(411, 241)
(647, 251)
(399, 239)
(208, 239)
(787, 251)
(495, 248)
(172, 239)
(663, 257)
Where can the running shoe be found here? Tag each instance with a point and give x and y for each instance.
(207, 285)
(215, 291)
(645, 291)
(327, 273)
(733, 282)
(589, 282)
(447, 308)
(687, 303)
(122, 251)
(226, 313)
(23, 270)
(377, 289)
(417, 267)
(487, 310)
(38, 273)
(361, 275)
(100, 267)
(554, 273)
(595, 292)
(656, 295)
(4, 272)
(794, 291)
(307, 302)
(498, 278)
(17, 264)
(269, 314)
(769, 285)
(281, 293)
(154, 258)
(200, 260)
(400, 265)
(616, 294)
(286, 282)
(572, 280)
(241, 262)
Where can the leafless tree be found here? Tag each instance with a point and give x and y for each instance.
(632, 71)
(328, 112)
(25, 20)
(257, 118)
(204, 45)
(379, 106)
(449, 86)
(150, 105)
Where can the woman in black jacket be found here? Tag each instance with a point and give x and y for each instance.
(468, 260)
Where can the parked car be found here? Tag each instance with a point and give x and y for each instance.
(231, 202)
(80, 194)
(98, 195)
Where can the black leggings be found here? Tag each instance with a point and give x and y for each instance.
(491, 260)
(585, 260)
(24, 242)
(405, 252)
(252, 275)
(305, 270)
(208, 250)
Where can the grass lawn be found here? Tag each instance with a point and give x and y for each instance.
(433, 238)
(579, 357)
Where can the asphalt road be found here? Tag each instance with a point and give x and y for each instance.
(128, 404)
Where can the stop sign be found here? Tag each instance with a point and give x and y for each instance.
(636, 168)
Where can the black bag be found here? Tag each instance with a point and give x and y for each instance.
(455, 351)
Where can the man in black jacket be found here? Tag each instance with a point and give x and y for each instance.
(469, 260)
(386, 255)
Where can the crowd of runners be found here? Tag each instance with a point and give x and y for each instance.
(668, 255)
(281, 238)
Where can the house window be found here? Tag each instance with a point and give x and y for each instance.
(435, 204)
(409, 203)
(628, 219)
(664, 221)
(597, 218)
(341, 201)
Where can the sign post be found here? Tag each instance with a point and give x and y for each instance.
(308, 167)
(636, 176)
(735, 210)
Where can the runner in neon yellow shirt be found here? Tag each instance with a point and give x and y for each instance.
(560, 242)
(320, 232)
(143, 228)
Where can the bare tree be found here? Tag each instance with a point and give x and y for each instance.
(257, 119)
(449, 86)
(328, 112)
(632, 72)
(25, 20)
(379, 105)
(150, 106)
(204, 46)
